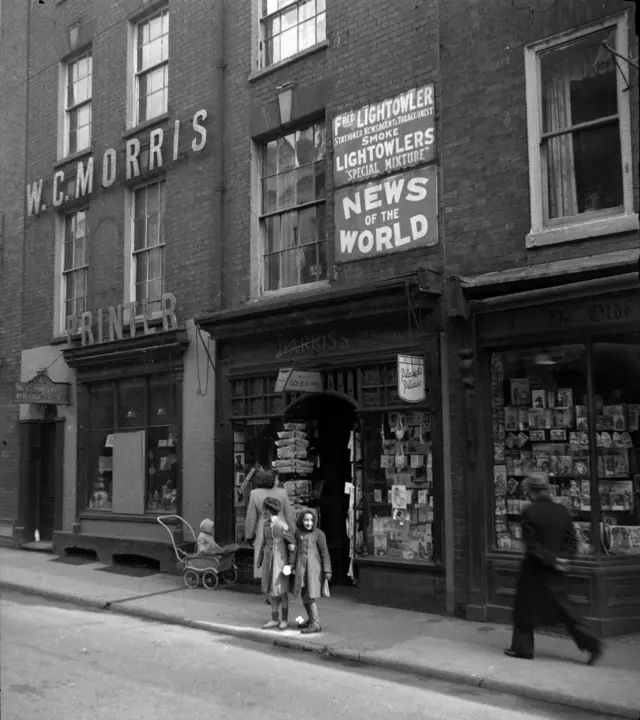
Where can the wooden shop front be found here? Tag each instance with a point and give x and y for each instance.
(342, 350)
(559, 390)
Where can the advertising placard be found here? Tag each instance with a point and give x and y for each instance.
(384, 137)
(411, 379)
(393, 214)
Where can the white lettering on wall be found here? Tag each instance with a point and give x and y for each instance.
(34, 198)
(132, 164)
(155, 148)
(198, 118)
(58, 196)
(84, 178)
(108, 168)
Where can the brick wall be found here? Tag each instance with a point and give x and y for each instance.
(371, 46)
(13, 106)
(190, 217)
(484, 129)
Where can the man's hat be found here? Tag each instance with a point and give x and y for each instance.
(537, 480)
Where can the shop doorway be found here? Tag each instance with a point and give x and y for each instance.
(332, 420)
(42, 472)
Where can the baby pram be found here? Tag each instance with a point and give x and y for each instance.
(209, 569)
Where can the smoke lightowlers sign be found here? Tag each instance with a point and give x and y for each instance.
(385, 137)
(163, 147)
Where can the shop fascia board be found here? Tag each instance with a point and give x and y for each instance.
(125, 352)
(544, 276)
(312, 309)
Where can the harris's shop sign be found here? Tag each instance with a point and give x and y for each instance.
(385, 137)
(393, 214)
(160, 149)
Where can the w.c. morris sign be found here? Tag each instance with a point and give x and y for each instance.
(160, 152)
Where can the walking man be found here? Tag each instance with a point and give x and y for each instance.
(541, 596)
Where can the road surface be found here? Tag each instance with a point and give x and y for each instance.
(65, 663)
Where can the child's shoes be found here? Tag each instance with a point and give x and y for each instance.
(270, 625)
(283, 625)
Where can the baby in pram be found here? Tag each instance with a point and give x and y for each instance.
(205, 543)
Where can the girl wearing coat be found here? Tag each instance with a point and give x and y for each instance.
(312, 566)
(254, 522)
(273, 558)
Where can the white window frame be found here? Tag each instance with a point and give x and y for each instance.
(606, 222)
(60, 292)
(135, 73)
(287, 6)
(66, 110)
(257, 275)
(130, 254)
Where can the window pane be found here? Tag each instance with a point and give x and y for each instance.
(286, 153)
(273, 242)
(162, 400)
(81, 283)
(155, 28)
(81, 221)
(272, 26)
(320, 6)
(289, 230)
(131, 403)
(616, 376)
(79, 253)
(100, 471)
(270, 194)
(162, 468)
(578, 82)
(83, 138)
(270, 158)
(321, 27)
(304, 185)
(306, 34)
(289, 43)
(70, 289)
(305, 146)
(156, 104)
(307, 222)
(598, 167)
(139, 233)
(155, 52)
(289, 19)
(539, 423)
(320, 189)
(102, 406)
(154, 295)
(155, 263)
(272, 272)
(306, 10)
(290, 268)
(142, 260)
(68, 255)
(273, 50)
(310, 269)
(286, 189)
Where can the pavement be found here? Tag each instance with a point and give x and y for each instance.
(417, 644)
(65, 662)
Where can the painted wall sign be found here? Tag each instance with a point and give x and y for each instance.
(41, 390)
(110, 324)
(607, 312)
(161, 150)
(394, 214)
(387, 136)
(336, 342)
(412, 386)
(290, 380)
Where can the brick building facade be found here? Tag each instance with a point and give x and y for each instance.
(293, 93)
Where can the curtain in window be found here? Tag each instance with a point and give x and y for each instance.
(289, 267)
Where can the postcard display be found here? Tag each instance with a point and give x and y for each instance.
(292, 464)
(400, 489)
(544, 430)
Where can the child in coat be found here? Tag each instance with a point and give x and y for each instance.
(273, 560)
(205, 543)
(312, 567)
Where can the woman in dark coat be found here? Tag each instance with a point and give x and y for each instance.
(541, 595)
(311, 565)
(274, 560)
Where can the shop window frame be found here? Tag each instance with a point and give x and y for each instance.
(84, 481)
(485, 434)
(590, 224)
(67, 108)
(271, 17)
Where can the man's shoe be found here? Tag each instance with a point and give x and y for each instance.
(312, 628)
(512, 653)
(270, 625)
(303, 625)
(595, 655)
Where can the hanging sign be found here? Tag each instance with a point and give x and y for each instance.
(411, 379)
(291, 380)
(41, 390)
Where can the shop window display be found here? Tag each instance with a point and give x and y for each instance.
(616, 376)
(541, 413)
(399, 487)
(147, 405)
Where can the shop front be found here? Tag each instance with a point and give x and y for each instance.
(143, 434)
(559, 372)
(341, 400)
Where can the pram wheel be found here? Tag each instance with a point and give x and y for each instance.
(230, 576)
(210, 580)
(191, 578)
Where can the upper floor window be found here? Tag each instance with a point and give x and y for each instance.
(77, 104)
(290, 26)
(579, 139)
(74, 265)
(148, 245)
(293, 209)
(151, 67)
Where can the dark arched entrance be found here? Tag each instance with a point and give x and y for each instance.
(332, 418)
